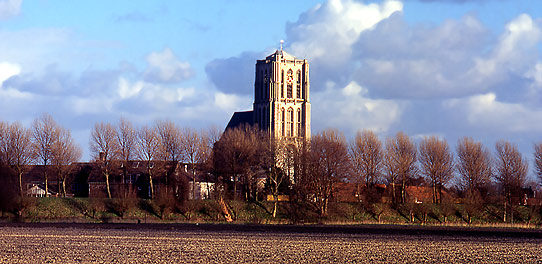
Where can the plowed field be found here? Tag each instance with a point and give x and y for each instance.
(27, 244)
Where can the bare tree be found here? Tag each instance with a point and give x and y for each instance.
(302, 184)
(400, 162)
(511, 174)
(20, 150)
(148, 150)
(236, 155)
(64, 153)
(209, 136)
(538, 161)
(437, 164)
(104, 146)
(126, 141)
(171, 145)
(44, 134)
(473, 166)
(4, 142)
(329, 164)
(193, 147)
(367, 157)
(280, 161)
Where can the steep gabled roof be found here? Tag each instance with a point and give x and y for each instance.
(240, 118)
(281, 53)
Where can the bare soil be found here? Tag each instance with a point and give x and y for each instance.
(190, 243)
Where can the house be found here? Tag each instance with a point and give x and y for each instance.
(134, 177)
(86, 179)
(35, 190)
(205, 183)
(33, 181)
(345, 192)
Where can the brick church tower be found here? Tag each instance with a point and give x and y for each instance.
(281, 98)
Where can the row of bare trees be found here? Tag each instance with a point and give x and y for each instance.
(308, 171)
(313, 169)
(164, 141)
(45, 143)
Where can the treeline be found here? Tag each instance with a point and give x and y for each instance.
(111, 145)
(309, 172)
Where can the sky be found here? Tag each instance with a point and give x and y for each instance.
(451, 68)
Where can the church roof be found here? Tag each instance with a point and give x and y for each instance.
(281, 53)
(240, 118)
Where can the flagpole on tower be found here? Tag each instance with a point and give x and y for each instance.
(281, 42)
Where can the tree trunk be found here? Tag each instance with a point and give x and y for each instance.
(59, 184)
(234, 187)
(124, 174)
(393, 192)
(504, 215)
(45, 176)
(21, 182)
(511, 211)
(403, 191)
(63, 186)
(150, 183)
(435, 198)
(324, 213)
(193, 183)
(276, 197)
(107, 185)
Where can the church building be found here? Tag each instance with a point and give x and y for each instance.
(281, 98)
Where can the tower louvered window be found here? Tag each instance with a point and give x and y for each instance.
(290, 84)
(298, 84)
(282, 84)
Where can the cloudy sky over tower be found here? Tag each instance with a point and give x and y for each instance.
(450, 68)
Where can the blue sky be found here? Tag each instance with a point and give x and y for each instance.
(449, 68)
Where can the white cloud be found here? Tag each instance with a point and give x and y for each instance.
(126, 89)
(93, 105)
(350, 109)
(514, 52)
(231, 102)
(157, 93)
(327, 31)
(36, 48)
(486, 112)
(9, 8)
(165, 67)
(8, 70)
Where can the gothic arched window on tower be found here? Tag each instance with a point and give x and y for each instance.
(282, 120)
(299, 131)
(290, 84)
(290, 123)
(298, 88)
(282, 84)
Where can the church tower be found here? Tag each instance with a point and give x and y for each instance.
(281, 96)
